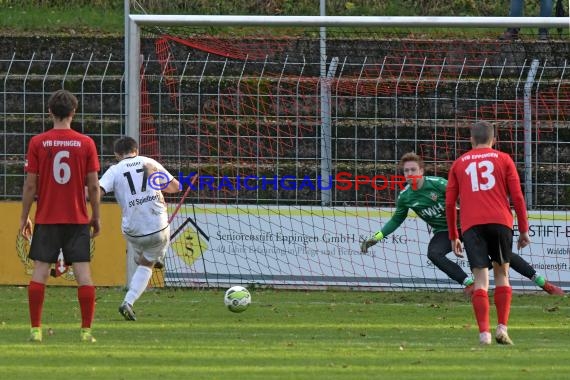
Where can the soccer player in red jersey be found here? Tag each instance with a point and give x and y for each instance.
(60, 163)
(484, 179)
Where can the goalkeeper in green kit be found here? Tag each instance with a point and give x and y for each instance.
(425, 195)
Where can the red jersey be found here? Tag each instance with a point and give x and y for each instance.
(483, 179)
(61, 158)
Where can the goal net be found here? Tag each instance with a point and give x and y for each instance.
(276, 132)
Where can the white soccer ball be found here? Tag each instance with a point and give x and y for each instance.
(237, 299)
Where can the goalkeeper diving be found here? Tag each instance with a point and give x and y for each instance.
(427, 199)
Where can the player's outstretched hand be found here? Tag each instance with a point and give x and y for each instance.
(524, 240)
(457, 248)
(26, 228)
(369, 242)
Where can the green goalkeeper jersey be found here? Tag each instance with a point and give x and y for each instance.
(428, 203)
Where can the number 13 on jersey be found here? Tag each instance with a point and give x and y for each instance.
(485, 169)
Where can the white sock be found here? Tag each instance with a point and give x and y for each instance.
(138, 284)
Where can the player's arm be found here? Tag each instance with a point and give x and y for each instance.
(173, 186)
(102, 190)
(28, 196)
(94, 201)
(515, 192)
(451, 194)
(106, 182)
(30, 189)
(395, 221)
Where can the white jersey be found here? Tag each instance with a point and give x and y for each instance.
(143, 207)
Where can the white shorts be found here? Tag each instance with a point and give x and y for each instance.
(152, 247)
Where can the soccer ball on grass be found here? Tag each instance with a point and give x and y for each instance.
(237, 299)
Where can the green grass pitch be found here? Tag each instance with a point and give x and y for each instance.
(188, 334)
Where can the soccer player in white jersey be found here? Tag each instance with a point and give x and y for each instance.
(138, 183)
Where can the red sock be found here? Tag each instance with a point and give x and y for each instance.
(86, 297)
(36, 293)
(503, 297)
(480, 301)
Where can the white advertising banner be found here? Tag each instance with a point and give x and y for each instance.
(218, 245)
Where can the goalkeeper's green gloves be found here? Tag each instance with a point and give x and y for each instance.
(372, 240)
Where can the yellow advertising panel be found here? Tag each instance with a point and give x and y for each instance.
(108, 250)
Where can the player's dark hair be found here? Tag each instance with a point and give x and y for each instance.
(62, 103)
(125, 145)
(482, 132)
(411, 156)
